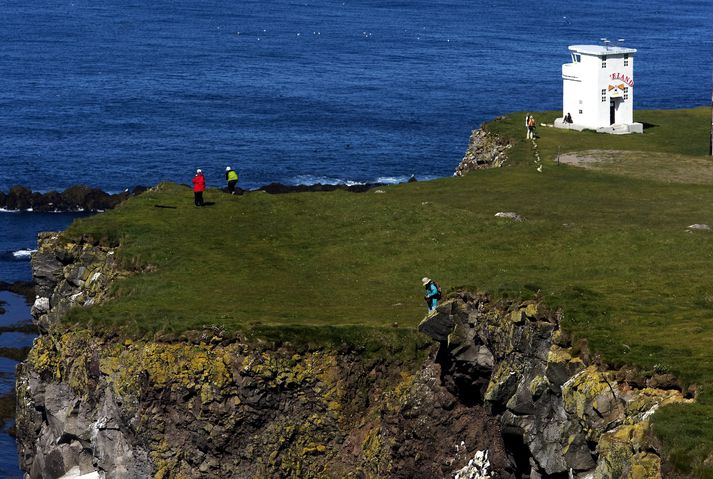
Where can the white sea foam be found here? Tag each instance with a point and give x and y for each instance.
(321, 180)
(326, 180)
(394, 180)
(23, 253)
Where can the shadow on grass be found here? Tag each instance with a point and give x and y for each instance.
(649, 125)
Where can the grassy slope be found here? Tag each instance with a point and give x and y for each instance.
(611, 249)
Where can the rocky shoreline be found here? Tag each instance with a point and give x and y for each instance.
(74, 198)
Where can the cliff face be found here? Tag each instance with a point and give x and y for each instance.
(558, 413)
(212, 407)
(505, 379)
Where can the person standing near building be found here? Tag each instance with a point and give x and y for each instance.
(527, 126)
(232, 178)
(531, 127)
(198, 187)
(433, 293)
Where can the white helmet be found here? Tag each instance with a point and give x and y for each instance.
(227, 168)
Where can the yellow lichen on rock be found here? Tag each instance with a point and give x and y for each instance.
(623, 453)
(586, 391)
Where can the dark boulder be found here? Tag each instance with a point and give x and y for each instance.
(80, 197)
(19, 198)
(52, 201)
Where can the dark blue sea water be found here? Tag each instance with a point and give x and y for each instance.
(115, 94)
(18, 233)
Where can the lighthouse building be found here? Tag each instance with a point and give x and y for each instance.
(598, 90)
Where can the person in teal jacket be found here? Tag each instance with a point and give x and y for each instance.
(432, 293)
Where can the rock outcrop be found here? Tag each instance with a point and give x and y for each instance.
(559, 414)
(485, 150)
(68, 274)
(74, 198)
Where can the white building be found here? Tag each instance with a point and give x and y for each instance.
(598, 90)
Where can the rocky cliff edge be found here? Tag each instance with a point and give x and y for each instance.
(502, 378)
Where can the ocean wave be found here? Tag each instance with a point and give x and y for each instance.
(395, 180)
(5, 210)
(30, 210)
(392, 180)
(321, 180)
(327, 180)
(23, 253)
(19, 255)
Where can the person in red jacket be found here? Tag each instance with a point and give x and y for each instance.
(198, 187)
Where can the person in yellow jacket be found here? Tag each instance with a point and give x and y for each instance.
(232, 176)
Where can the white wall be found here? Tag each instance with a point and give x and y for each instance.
(585, 82)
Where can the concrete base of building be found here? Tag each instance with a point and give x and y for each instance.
(621, 129)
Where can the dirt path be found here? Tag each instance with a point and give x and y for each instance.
(665, 167)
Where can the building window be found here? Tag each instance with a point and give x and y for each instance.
(604, 95)
(626, 93)
(580, 112)
(604, 61)
(626, 59)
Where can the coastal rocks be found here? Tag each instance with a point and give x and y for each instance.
(485, 150)
(67, 426)
(74, 198)
(558, 414)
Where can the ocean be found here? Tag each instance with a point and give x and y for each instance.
(125, 93)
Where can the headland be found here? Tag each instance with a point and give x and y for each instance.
(284, 335)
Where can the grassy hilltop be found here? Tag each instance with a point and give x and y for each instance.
(609, 245)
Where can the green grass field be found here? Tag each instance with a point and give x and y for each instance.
(610, 247)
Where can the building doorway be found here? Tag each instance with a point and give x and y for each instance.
(612, 111)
